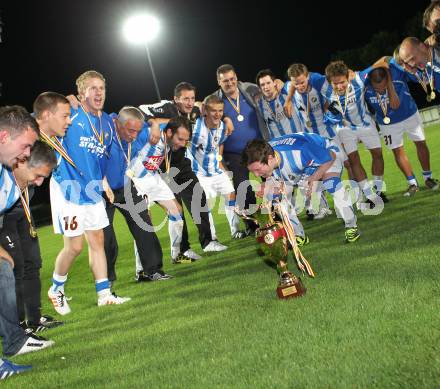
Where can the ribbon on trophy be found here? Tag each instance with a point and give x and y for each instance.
(302, 262)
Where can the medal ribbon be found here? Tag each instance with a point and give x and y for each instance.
(24, 202)
(99, 136)
(384, 104)
(422, 81)
(128, 155)
(236, 107)
(308, 107)
(431, 78)
(55, 144)
(343, 110)
(167, 158)
(301, 261)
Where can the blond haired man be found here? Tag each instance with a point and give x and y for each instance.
(78, 209)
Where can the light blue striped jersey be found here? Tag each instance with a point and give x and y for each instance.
(204, 148)
(407, 105)
(9, 192)
(148, 156)
(277, 121)
(311, 107)
(353, 113)
(301, 154)
(434, 67)
(88, 154)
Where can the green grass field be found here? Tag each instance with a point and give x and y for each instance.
(370, 318)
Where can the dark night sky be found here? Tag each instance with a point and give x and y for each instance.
(47, 44)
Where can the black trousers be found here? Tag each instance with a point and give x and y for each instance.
(147, 242)
(25, 251)
(197, 208)
(240, 174)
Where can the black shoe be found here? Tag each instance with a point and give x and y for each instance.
(46, 322)
(432, 183)
(310, 215)
(240, 235)
(383, 196)
(181, 258)
(158, 275)
(249, 231)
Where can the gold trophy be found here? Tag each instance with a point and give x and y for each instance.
(276, 238)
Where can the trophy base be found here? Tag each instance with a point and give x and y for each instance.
(290, 286)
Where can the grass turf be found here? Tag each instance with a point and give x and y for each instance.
(370, 318)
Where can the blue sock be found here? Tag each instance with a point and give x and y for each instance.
(102, 285)
(411, 180)
(427, 174)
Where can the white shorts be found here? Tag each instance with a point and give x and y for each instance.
(154, 187)
(367, 135)
(393, 133)
(72, 219)
(341, 154)
(337, 165)
(215, 185)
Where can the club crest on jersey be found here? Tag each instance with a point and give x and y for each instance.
(153, 162)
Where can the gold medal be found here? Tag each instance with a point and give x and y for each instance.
(240, 118)
(432, 95)
(129, 173)
(308, 123)
(219, 157)
(32, 231)
(386, 120)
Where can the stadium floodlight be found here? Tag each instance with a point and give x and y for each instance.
(142, 29)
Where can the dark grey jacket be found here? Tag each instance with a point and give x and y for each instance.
(250, 92)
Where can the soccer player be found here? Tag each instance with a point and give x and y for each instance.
(18, 236)
(355, 124)
(18, 132)
(144, 170)
(305, 92)
(208, 137)
(423, 61)
(52, 113)
(271, 107)
(129, 125)
(239, 98)
(305, 88)
(184, 104)
(308, 158)
(394, 123)
(78, 208)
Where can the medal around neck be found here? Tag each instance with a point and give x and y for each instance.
(32, 231)
(386, 120)
(240, 118)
